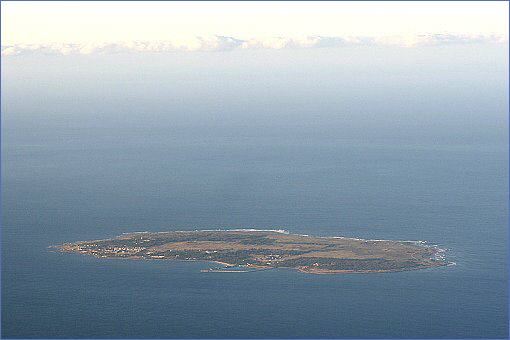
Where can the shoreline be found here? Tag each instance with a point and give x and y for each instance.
(261, 268)
(279, 231)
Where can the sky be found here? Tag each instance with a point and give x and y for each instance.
(408, 71)
(87, 27)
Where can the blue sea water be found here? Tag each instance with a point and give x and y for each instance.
(451, 196)
(378, 150)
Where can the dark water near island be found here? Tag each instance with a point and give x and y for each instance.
(443, 179)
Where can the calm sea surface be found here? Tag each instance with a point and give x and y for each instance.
(78, 184)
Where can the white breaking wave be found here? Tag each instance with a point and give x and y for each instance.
(281, 231)
(225, 43)
(440, 253)
(439, 250)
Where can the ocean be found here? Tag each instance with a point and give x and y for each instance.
(454, 197)
(406, 156)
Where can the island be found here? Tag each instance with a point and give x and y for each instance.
(244, 250)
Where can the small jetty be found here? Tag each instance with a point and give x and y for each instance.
(234, 269)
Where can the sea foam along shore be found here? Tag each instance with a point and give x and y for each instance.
(281, 231)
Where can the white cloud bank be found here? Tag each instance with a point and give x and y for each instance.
(223, 43)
